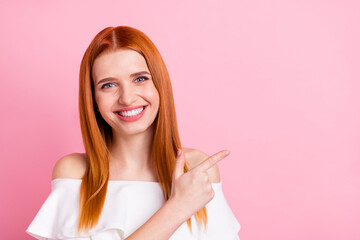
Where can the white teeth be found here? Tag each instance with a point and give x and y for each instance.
(132, 112)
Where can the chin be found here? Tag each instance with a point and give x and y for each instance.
(134, 131)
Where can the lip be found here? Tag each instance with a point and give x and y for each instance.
(132, 118)
(129, 108)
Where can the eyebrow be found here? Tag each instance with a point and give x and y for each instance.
(131, 75)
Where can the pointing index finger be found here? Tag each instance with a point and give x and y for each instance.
(212, 160)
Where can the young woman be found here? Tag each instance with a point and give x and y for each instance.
(135, 181)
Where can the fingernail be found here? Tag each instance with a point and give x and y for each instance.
(179, 152)
(227, 152)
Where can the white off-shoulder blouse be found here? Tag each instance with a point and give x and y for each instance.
(128, 205)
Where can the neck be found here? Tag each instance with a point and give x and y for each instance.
(132, 153)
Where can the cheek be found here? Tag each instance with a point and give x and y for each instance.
(154, 96)
(103, 103)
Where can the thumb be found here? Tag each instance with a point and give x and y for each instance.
(179, 164)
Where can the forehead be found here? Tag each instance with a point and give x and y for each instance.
(120, 63)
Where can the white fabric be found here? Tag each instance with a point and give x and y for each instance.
(128, 205)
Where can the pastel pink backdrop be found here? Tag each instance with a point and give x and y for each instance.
(276, 82)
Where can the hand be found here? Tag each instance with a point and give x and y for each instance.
(193, 190)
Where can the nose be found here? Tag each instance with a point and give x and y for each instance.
(127, 95)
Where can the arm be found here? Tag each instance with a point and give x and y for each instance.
(190, 193)
(161, 225)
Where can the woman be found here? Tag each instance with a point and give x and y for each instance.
(135, 181)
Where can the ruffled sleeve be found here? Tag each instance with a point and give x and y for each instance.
(128, 205)
(58, 216)
(221, 222)
(60, 202)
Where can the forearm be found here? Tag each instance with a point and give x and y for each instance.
(161, 225)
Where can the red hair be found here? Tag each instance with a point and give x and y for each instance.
(97, 134)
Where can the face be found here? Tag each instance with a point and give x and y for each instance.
(125, 93)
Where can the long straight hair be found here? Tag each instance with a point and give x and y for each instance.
(97, 134)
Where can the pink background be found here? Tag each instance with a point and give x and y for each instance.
(276, 82)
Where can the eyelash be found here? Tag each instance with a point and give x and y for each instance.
(145, 78)
(104, 86)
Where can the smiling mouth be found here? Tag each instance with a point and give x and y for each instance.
(131, 113)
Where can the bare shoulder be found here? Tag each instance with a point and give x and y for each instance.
(70, 166)
(194, 157)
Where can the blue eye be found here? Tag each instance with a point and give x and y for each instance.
(105, 85)
(143, 79)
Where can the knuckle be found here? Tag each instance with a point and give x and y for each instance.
(194, 178)
(213, 160)
(205, 178)
(207, 189)
(212, 194)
